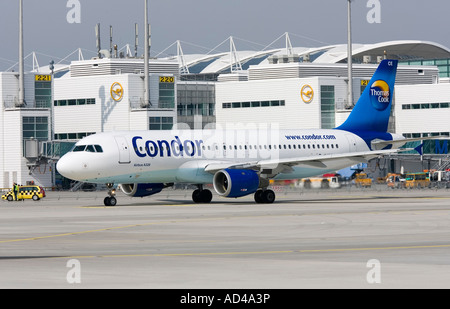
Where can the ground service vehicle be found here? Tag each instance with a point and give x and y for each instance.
(395, 181)
(440, 179)
(417, 180)
(26, 192)
(362, 180)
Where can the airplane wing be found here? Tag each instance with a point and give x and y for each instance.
(276, 166)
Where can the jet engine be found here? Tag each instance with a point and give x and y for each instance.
(141, 189)
(235, 182)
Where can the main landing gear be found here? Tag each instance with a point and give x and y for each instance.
(201, 195)
(264, 196)
(110, 200)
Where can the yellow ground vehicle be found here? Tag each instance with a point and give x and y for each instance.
(26, 192)
(362, 180)
(417, 180)
(395, 181)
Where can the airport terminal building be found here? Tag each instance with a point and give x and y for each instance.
(281, 88)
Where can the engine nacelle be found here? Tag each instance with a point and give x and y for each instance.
(141, 189)
(235, 183)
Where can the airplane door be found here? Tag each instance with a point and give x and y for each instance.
(124, 152)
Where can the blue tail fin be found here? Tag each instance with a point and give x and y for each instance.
(371, 112)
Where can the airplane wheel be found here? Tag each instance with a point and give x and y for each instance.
(110, 201)
(206, 196)
(201, 196)
(258, 196)
(196, 196)
(268, 196)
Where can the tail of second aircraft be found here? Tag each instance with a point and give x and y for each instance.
(370, 116)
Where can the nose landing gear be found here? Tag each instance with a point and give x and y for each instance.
(110, 200)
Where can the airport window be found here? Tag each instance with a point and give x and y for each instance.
(72, 136)
(253, 104)
(426, 106)
(327, 106)
(43, 94)
(72, 102)
(160, 123)
(167, 93)
(35, 127)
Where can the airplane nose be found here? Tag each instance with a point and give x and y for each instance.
(65, 167)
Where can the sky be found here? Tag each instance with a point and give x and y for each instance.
(202, 25)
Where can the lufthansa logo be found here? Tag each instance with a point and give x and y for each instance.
(307, 93)
(380, 95)
(116, 91)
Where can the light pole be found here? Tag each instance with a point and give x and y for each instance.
(146, 56)
(349, 55)
(21, 69)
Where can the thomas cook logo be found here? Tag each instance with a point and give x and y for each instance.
(380, 95)
(307, 93)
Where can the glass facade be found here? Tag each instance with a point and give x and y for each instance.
(43, 94)
(35, 127)
(327, 107)
(166, 95)
(442, 64)
(74, 102)
(195, 99)
(160, 123)
(254, 104)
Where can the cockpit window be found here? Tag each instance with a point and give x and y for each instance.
(88, 148)
(98, 148)
(79, 148)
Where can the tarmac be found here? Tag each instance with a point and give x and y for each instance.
(344, 238)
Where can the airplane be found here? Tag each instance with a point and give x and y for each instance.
(237, 162)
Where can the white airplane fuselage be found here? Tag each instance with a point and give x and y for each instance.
(181, 156)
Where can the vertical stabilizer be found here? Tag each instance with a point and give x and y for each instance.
(371, 112)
